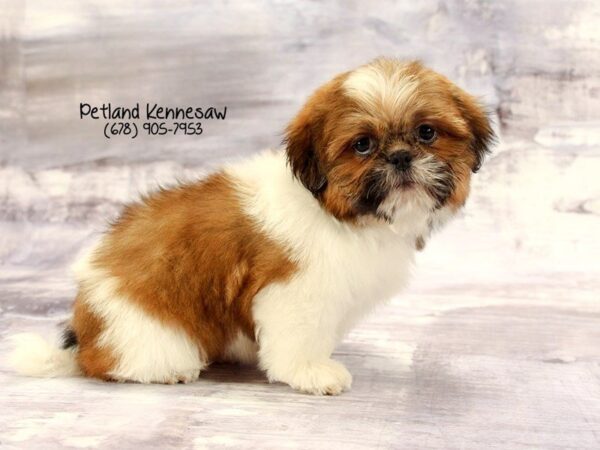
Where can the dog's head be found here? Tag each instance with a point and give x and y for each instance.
(387, 134)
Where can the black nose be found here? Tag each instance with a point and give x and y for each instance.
(401, 159)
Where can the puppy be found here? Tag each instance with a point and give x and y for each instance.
(272, 260)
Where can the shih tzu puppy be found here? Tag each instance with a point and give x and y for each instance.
(272, 260)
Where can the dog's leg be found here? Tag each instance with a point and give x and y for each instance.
(120, 341)
(296, 337)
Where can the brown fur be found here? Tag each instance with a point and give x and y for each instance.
(95, 361)
(191, 258)
(319, 140)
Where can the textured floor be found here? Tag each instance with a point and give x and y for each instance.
(496, 344)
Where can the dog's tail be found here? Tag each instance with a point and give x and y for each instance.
(35, 357)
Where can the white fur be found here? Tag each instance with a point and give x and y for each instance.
(428, 170)
(382, 90)
(345, 270)
(35, 357)
(147, 350)
(241, 350)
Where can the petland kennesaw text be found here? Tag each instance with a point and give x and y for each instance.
(153, 111)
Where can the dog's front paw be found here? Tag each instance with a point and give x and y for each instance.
(327, 377)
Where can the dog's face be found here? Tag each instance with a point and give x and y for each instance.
(385, 135)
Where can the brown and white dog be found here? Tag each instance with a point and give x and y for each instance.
(272, 260)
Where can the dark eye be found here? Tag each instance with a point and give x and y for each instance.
(426, 134)
(363, 146)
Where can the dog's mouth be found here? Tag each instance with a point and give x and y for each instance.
(428, 181)
(430, 175)
(405, 182)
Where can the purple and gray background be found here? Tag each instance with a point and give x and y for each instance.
(497, 341)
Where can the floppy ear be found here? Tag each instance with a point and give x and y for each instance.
(301, 142)
(479, 125)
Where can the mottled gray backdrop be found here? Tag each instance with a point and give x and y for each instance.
(497, 340)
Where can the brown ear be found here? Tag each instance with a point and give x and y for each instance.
(302, 153)
(479, 125)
